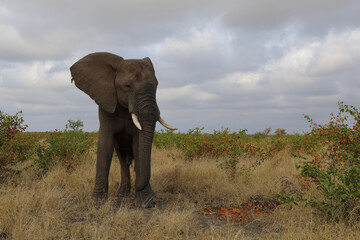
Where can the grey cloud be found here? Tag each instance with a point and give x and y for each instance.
(48, 29)
(263, 14)
(287, 84)
(262, 65)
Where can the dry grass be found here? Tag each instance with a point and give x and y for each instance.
(58, 205)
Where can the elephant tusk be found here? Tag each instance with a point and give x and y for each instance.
(136, 121)
(166, 125)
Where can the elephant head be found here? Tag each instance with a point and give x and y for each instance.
(110, 80)
(113, 82)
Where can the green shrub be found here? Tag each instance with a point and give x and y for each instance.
(230, 147)
(336, 171)
(10, 125)
(306, 143)
(19, 149)
(46, 149)
(13, 147)
(66, 147)
(197, 144)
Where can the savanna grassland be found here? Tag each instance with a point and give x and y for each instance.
(224, 185)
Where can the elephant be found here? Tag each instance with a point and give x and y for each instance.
(125, 92)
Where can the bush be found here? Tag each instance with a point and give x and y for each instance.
(19, 149)
(280, 132)
(47, 149)
(10, 126)
(197, 144)
(336, 171)
(66, 147)
(231, 147)
(13, 147)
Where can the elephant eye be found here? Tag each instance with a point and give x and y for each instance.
(127, 86)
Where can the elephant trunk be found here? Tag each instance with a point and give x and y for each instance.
(144, 168)
(148, 115)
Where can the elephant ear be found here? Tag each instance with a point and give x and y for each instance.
(147, 59)
(95, 74)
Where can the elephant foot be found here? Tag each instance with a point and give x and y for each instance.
(99, 198)
(124, 190)
(144, 198)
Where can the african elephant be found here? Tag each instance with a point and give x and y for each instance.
(125, 92)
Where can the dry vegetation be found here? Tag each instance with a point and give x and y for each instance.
(57, 205)
(208, 186)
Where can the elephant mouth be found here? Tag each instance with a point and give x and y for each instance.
(137, 124)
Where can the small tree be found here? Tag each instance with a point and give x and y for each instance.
(280, 132)
(75, 125)
(267, 131)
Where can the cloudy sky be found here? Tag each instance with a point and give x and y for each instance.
(227, 63)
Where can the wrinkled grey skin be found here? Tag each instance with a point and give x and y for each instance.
(121, 87)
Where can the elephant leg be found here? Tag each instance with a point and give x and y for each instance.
(104, 155)
(129, 158)
(144, 198)
(125, 184)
